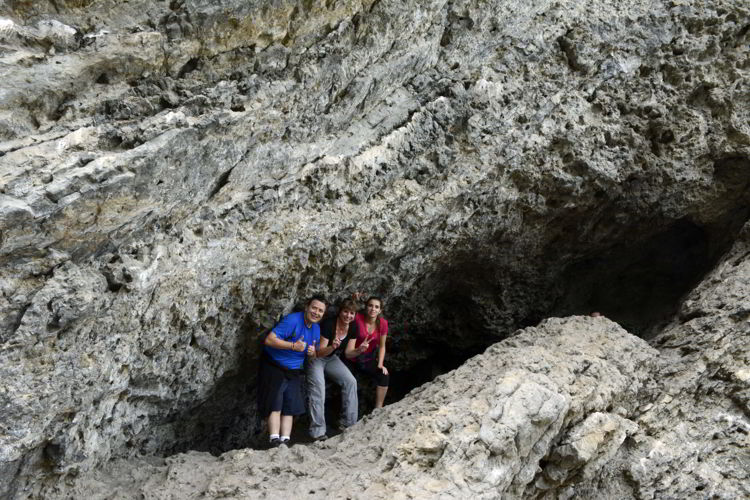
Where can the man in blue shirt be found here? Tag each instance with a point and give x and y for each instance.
(281, 366)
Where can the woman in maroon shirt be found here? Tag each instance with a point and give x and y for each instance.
(362, 352)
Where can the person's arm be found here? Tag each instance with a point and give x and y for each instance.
(381, 350)
(325, 349)
(350, 352)
(381, 354)
(312, 352)
(285, 329)
(273, 341)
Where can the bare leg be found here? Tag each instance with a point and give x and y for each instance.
(273, 422)
(286, 425)
(380, 396)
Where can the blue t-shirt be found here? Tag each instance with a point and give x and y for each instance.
(291, 329)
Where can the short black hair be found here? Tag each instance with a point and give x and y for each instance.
(319, 297)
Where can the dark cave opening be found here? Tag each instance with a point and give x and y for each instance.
(638, 281)
(639, 284)
(227, 419)
(442, 360)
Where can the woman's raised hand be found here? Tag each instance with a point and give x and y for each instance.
(365, 344)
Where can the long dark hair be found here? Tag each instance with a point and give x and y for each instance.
(382, 308)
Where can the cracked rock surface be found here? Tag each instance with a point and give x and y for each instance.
(176, 174)
(572, 408)
(480, 430)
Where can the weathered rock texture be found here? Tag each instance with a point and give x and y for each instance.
(698, 425)
(572, 408)
(568, 386)
(174, 174)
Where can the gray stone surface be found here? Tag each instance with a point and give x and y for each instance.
(690, 436)
(174, 175)
(573, 408)
(699, 422)
(479, 431)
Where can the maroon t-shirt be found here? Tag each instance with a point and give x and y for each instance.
(381, 330)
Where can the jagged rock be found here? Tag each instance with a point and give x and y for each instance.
(478, 431)
(699, 423)
(586, 450)
(179, 173)
(691, 427)
(573, 408)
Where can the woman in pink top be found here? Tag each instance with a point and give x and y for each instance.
(362, 352)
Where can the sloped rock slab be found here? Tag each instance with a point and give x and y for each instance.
(563, 390)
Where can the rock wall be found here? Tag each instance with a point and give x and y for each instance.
(479, 431)
(173, 175)
(698, 423)
(572, 408)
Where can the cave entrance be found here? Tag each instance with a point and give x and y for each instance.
(637, 281)
(640, 285)
(441, 361)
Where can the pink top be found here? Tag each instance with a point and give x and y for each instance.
(374, 336)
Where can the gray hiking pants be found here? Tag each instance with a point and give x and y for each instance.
(333, 368)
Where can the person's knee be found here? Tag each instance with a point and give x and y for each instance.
(316, 380)
(349, 382)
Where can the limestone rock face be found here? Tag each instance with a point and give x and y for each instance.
(691, 427)
(175, 174)
(573, 408)
(699, 422)
(568, 385)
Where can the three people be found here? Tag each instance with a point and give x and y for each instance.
(297, 337)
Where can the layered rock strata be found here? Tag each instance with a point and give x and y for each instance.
(174, 175)
(573, 408)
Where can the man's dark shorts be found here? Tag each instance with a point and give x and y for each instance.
(279, 389)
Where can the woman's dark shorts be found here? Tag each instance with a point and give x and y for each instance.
(370, 368)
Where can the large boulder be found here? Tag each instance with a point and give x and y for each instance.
(529, 414)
